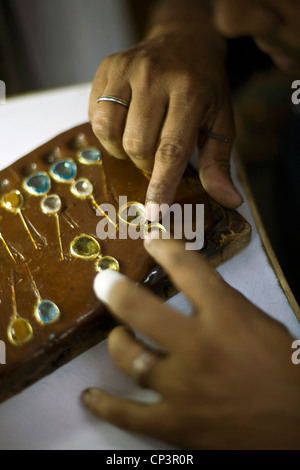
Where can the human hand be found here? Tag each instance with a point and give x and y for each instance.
(225, 378)
(177, 88)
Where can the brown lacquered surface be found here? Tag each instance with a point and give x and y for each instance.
(83, 320)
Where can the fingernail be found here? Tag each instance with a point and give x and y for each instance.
(238, 193)
(152, 211)
(105, 282)
(86, 397)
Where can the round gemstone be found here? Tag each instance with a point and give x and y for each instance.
(107, 262)
(20, 331)
(82, 188)
(89, 156)
(85, 247)
(51, 204)
(47, 311)
(13, 201)
(64, 171)
(38, 184)
(133, 213)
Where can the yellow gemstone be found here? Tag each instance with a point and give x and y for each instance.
(13, 201)
(20, 331)
(107, 262)
(85, 247)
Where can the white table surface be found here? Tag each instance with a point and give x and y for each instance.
(48, 415)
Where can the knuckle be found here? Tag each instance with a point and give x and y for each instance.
(189, 83)
(114, 340)
(196, 87)
(105, 129)
(170, 150)
(106, 63)
(159, 187)
(147, 71)
(135, 147)
(122, 65)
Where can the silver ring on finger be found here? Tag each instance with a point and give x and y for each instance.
(113, 99)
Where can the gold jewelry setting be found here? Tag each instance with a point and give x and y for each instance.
(85, 247)
(13, 202)
(51, 205)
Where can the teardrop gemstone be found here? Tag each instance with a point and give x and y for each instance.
(20, 331)
(38, 184)
(47, 311)
(64, 171)
(89, 156)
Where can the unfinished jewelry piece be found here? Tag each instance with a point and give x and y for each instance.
(46, 311)
(85, 247)
(51, 205)
(13, 202)
(107, 262)
(19, 331)
(38, 184)
(83, 189)
(64, 171)
(6, 245)
(92, 156)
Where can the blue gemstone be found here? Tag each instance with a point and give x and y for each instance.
(90, 156)
(38, 184)
(48, 311)
(64, 171)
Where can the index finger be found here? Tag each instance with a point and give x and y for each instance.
(177, 142)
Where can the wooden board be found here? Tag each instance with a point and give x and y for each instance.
(48, 311)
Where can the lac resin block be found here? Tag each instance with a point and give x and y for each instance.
(54, 208)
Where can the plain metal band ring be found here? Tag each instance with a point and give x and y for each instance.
(113, 99)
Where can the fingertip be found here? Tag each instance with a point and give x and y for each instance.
(120, 156)
(105, 282)
(87, 395)
(220, 187)
(230, 198)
